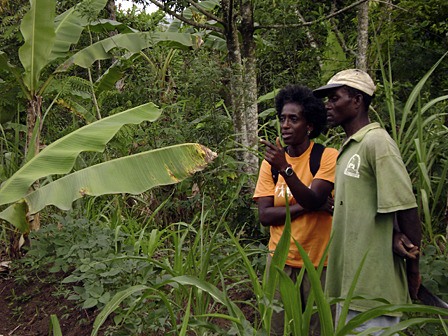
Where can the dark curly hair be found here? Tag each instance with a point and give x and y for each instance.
(314, 110)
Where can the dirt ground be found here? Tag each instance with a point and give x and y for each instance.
(25, 308)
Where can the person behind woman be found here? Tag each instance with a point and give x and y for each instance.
(302, 117)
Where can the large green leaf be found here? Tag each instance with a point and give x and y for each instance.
(37, 28)
(131, 174)
(132, 42)
(59, 157)
(110, 77)
(69, 25)
(105, 25)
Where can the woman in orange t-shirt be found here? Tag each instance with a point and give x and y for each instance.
(302, 117)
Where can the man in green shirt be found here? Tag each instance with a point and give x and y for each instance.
(372, 191)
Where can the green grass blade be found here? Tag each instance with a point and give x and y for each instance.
(348, 299)
(186, 318)
(291, 301)
(426, 214)
(213, 291)
(404, 325)
(270, 278)
(55, 326)
(251, 272)
(414, 95)
(323, 306)
(113, 304)
(388, 309)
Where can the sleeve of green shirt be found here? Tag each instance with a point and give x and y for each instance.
(394, 185)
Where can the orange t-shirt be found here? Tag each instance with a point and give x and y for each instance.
(312, 230)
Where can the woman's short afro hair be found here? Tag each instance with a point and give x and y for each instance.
(314, 110)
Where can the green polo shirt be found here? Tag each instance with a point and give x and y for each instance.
(371, 184)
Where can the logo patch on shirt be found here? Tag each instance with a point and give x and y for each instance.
(353, 165)
(281, 189)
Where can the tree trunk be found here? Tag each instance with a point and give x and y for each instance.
(34, 116)
(363, 36)
(250, 88)
(243, 83)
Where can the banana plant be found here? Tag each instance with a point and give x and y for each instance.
(48, 39)
(131, 174)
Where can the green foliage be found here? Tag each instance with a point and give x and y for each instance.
(419, 131)
(97, 259)
(119, 247)
(434, 267)
(413, 28)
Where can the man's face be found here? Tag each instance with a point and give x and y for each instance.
(340, 107)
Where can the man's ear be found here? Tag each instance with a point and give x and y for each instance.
(358, 99)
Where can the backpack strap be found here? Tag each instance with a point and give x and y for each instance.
(315, 156)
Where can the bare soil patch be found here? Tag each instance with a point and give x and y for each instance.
(26, 307)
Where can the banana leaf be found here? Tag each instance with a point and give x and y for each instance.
(59, 157)
(69, 25)
(132, 42)
(132, 174)
(37, 28)
(110, 77)
(105, 25)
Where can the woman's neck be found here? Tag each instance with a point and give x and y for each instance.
(297, 150)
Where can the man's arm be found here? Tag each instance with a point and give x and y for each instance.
(408, 223)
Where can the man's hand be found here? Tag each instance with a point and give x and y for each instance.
(328, 206)
(404, 247)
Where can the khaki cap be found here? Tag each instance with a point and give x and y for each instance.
(354, 78)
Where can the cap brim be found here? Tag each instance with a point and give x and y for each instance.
(323, 90)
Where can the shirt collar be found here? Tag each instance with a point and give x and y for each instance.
(359, 135)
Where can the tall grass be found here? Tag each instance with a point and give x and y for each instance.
(420, 133)
(199, 286)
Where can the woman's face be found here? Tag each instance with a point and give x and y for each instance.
(293, 125)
